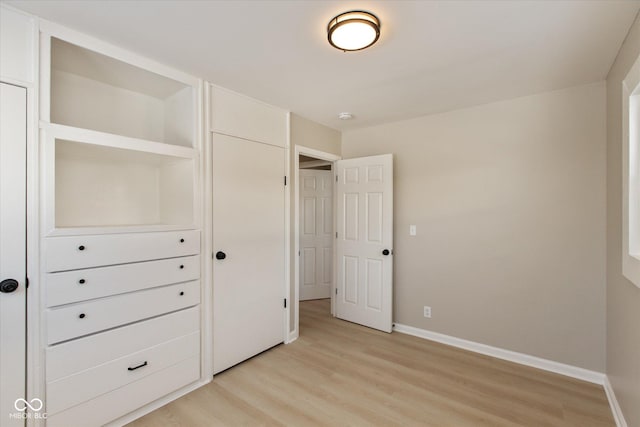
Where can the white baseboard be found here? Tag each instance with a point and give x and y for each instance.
(511, 356)
(613, 402)
(292, 337)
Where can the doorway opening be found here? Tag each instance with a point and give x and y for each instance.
(314, 201)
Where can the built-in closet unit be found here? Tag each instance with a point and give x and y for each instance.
(154, 260)
(120, 229)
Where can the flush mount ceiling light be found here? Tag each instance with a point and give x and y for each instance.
(354, 30)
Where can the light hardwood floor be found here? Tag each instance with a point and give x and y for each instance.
(341, 374)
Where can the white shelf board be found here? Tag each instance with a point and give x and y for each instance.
(117, 229)
(116, 141)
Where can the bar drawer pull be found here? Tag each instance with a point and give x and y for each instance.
(138, 367)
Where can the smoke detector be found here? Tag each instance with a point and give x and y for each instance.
(345, 116)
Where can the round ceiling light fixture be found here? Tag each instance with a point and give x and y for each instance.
(353, 30)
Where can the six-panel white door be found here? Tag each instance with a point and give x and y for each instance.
(249, 247)
(13, 150)
(364, 245)
(316, 234)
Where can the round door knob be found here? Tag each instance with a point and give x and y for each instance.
(82, 315)
(220, 255)
(8, 285)
(386, 252)
(81, 248)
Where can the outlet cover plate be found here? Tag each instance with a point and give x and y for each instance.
(427, 311)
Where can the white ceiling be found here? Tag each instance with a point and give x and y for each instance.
(432, 56)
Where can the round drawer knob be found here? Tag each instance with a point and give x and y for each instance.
(81, 248)
(181, 293)
(181, 240)
(81, 281)
(82, 315)
(181, 266)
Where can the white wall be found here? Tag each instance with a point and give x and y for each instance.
(509, 201)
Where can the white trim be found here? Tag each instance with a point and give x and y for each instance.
(511, 356)
(207, 233)
(613, 402)
(287, 232)
(631, 175)
(322, 155)
(150, 407)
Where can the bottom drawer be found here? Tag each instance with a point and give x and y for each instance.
(117, 403)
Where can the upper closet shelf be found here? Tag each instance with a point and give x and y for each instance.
(94, 91)
(88, 136)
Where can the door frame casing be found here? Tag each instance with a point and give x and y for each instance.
(321, 155)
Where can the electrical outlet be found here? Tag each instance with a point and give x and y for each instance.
(427, 311)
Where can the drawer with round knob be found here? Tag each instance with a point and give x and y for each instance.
(76, 252)
(80, 319)
(81, 285)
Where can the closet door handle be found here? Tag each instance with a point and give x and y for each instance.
(138, 367)
(8, 285)
(220, 255)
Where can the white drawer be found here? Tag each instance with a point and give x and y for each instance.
(85, 385)
(78, 355)
(70, 253)
(81, 285)
(75, 320)
(117, 403)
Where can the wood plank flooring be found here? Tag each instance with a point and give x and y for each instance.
(341, 374)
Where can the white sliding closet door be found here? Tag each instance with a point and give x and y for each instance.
(13, 150)
(249, 248)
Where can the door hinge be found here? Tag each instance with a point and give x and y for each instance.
(336, 178)
(336, 291)
(26, 282)
(285, 303)
(285, 180)
(336, 234)
(298, 253)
